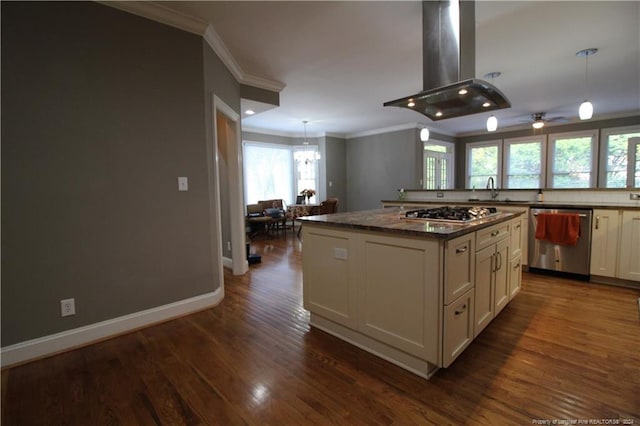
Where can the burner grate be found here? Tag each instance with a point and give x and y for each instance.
(452, 213)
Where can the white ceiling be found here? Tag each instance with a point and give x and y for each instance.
(339, 61)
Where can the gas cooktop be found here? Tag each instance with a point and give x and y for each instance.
(452, 213)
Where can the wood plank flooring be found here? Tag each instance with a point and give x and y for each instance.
(561, 350)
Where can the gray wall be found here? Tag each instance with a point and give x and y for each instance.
(101, 111)
(378, 165)
(336, 170)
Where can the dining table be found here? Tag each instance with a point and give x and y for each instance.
(295, 211)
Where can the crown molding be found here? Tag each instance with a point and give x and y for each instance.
(160, 13)
(269, 132)
(396, 128)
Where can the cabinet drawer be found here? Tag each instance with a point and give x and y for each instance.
(458, 327)
(491, 235)
(459, 267)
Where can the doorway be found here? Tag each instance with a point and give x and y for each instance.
(228, 171)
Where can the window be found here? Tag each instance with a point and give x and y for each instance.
(278, 171)
(618, 151)
(437, 165)
(633, 172)
(267, 172)
(524, 164)
(306, 169)
(572, 160)
(483, 162)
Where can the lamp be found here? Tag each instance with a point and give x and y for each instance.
(492, 121)
(585, 112)
(424, 134)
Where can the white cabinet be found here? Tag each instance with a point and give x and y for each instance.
(416, 301)
(330, 280)
(492, 291)
(458, 267)
(515, 276)
(629, 255)
(458, 327)
(604, 242)
(501, 275)
(399, 283)
(519, 232)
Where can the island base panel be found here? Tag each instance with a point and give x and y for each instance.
(402, 359)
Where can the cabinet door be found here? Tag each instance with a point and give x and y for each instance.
(515, 276)
(458, 327)
(458, 267)
(399, 293)
(483, 309)
(629, 266)
(604, 242)
(329, 286)
(501, 276)
(517, 232)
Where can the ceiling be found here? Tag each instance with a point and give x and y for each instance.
(339, 61)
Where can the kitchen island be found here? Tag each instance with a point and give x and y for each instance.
(415, 292)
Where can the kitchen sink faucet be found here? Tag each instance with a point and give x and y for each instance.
(492, 186)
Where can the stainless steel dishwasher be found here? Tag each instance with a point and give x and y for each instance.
(570, 260)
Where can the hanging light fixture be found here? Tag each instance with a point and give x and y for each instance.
(538, 120)
(305, 141)
(492, 121)
(424, 134)
(585, 112)
(306, 155)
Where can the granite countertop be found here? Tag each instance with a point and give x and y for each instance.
(391, 220)
(533, 204)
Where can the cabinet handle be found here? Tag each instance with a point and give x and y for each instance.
(461, 250)
(517, 266)
(518, 226)
(493, 234)
(464, 308)
(499, 256)
(597, 222)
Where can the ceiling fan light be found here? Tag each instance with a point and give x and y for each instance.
(492, 123)
(585, 112)
(424, 134)
(539, 124)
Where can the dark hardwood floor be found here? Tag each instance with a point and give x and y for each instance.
(561, 350)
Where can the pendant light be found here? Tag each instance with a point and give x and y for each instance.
(492, 121)
(424, 134)
(305, 141)
(585, 112)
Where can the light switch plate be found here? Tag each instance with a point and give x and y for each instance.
(183, 183)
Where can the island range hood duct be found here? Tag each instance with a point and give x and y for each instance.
(448, 65)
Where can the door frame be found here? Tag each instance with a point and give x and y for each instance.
(239, 264)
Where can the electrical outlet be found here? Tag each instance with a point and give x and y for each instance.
(440, 194)
(229, 245)
(67, 307)
(634, 196)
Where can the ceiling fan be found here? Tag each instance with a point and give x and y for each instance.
(540, 119)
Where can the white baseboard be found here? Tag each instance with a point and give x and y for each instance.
(227, 262)
(54, 343)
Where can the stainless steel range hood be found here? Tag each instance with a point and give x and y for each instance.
(448, 61)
